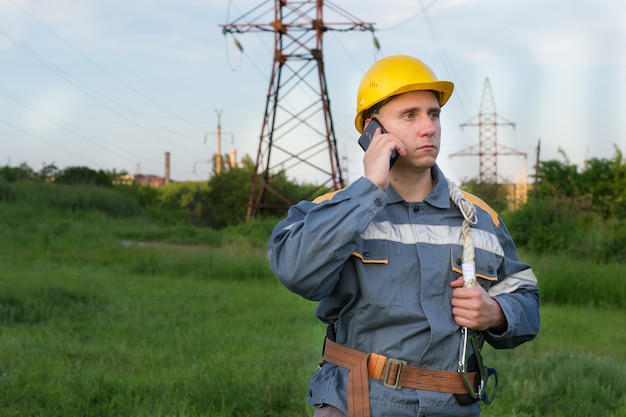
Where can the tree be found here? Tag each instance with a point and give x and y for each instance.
(229, 193)
(599, 187)
(183, 202)
(558, 178)
(604, 180)
(223, 163)
(83, 176)
(578, 212)
(15, 174)
(227, 198)
(48, 173)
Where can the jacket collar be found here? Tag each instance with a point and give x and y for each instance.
(438, 197)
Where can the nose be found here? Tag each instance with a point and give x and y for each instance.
(428, 126)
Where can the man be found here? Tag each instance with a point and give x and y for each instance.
(384, 258)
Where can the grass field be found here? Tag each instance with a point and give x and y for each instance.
(94, 321)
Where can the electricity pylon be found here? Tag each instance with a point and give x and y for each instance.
(297, 131)
(488, 149)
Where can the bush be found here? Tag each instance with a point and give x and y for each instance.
(173, 204)
(68, 198)
(6, 192)
(15, 174)
(567, 225)
(547, 225)
(257, 231)
(601, 241)
(83, 176)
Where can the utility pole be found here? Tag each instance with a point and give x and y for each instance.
(536, 182)
(297, 138)
(218, 156)
(218, 162)
(488, 149)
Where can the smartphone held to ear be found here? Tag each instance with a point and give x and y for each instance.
(368, 135)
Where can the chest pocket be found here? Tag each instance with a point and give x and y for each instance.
(378, 273)
(487, 265)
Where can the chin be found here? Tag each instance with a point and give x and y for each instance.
(426, 162)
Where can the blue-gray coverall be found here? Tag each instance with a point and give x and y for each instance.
(381, 270)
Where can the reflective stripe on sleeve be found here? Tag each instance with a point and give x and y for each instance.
(513, 282)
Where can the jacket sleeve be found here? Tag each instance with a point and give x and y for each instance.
(307, 250)
(518, 296)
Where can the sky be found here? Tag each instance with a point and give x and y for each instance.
(114, 85)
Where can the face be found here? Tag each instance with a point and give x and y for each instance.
(413, 117)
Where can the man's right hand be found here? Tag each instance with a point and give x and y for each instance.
(377, 157)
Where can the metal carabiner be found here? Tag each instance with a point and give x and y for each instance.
(484, 373)
(463, 351)
(462, 367)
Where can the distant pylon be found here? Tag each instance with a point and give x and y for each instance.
(488, 149)
(297, 130)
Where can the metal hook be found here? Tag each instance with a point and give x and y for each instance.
(484, 373)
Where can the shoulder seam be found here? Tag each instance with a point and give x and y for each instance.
(325, 197)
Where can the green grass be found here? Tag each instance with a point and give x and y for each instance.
(570, 280)
(77, 341)
(575, 367)
(101, 344)
(104, 316)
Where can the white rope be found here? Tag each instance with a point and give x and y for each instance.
(467, 209)
(469, 219)
(469, 281)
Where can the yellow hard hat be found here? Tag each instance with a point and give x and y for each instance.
(395, 75)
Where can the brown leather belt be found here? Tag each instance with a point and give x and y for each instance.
(393, 373)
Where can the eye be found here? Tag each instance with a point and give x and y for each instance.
(435, 115)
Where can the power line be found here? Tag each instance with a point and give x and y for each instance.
(445, 60)
(53, 144)
(76, 132)
(90, 92)
(415, 16)
(101, 68)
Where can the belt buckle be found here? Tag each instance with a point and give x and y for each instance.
(388, 364)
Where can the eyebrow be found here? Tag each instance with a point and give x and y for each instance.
(417, 109)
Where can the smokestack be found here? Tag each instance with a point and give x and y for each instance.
(167, 167)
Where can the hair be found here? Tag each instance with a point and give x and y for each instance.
(375, 109)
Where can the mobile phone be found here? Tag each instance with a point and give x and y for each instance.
(368, 135)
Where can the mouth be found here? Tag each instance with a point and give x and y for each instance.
(427, 147)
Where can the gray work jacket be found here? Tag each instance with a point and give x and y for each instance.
(381, 269)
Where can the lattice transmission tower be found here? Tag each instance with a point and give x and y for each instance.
(488, 149)
(297, 133)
